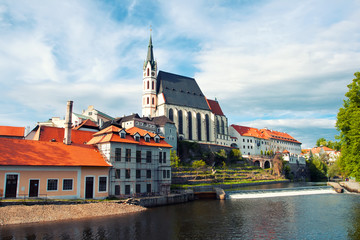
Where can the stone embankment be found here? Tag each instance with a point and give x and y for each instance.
(44, 213)
(351, 186)
(336, 186)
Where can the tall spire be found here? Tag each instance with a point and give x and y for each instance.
(150, 53)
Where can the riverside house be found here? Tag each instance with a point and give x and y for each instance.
(51, 170)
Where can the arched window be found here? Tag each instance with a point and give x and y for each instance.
(217, 126)
(207, 127)
(153, 100)
(147, 100)
(152, 85)
(222, 127)
(148, 72)
(180, 118)
(148, 85)
(171, 114)
(190, 125)
(198, 124)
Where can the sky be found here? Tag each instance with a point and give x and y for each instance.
(280, 64)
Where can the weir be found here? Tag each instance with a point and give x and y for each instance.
(280, 192)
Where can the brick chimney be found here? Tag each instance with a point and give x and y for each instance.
(67, 133)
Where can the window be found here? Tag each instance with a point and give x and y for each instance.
(171, 114)
(127, 173)
(168, 173)
(164, 173)
(180, 118)
(137, 138)
(148, 173)
(117, 154)
(138, 156)
(148, 85)
(152, 85)
(147, 139)
(138, 188)
(117, 173)
(148, 188)
(67, 184)
(127, 189)
(122, 134)
(198, 123)
(207, 127)
(138, 173)
(153, 101)
(157, 139)
(243, 140)
(160, 157)
(52, 185)
(190, 125)
(164, 157)
(102, 184)
(147, 100)
(128, 155)
(117, 189)
(148, 72)
(148, 156)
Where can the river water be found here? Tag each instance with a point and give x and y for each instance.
(316, 216)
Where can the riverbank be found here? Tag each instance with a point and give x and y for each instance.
(44, 213)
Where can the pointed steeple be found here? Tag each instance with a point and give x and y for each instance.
(150, 55)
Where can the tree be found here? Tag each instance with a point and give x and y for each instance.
(220, 156)
(174, 159)
(321, 142)
(348, 124)
(235, 155)
(198, 165)
(278, 164)
(317, 168)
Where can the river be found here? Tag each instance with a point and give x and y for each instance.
(317, 216)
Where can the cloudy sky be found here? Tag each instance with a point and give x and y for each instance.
(279, 64)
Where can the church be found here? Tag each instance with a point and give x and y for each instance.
(181, 100)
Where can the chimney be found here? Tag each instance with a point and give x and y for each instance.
(67, 133)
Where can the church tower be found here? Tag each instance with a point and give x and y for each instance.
(149, 98)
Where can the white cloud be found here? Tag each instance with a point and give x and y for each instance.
(292, 123)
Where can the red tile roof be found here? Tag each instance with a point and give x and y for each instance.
(263, 133)
(45, 133)
(215, 107)
(111, 134)
(12, 131)
(18, 152)
(87, 123)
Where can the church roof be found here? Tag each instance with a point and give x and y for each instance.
(215, 107)
(181, 91)
(150, 55)
(12, 131)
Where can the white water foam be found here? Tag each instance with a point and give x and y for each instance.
(282, 193)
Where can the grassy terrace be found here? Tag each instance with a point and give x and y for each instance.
(185, 177)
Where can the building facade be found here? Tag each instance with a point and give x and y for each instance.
(140, 160)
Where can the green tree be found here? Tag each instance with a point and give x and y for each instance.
(174, 159)
(334, 169)
(220, 156)
(321, 142)
(348, 123)
(317, 168)
(235, 155)
(198, 165)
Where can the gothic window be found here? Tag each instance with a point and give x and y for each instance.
(180, 116)
(171, 114)
(217, 126)
(147, 101)
(222, 127)
(152, 85)
(153, 101)
(207, 127)
(148, 72)
(198, 124)
(190, 125)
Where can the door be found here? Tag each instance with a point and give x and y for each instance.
(11, 186)
(34, 188)
(89, 187)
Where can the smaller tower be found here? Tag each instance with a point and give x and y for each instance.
(149, 97)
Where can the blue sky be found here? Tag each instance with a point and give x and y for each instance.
(283, 65)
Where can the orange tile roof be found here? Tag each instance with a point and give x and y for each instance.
(12, 131)
(18, 152)
(87, 123)
(45, 133)
(263, 133)
(111, 134)
(215, 107)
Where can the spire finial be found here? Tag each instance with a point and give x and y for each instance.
(150, 28)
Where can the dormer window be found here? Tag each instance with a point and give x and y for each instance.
(147, 138)
(157, 139)
(122, 134)
(137, 138)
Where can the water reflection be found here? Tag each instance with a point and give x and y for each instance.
(333, 216)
